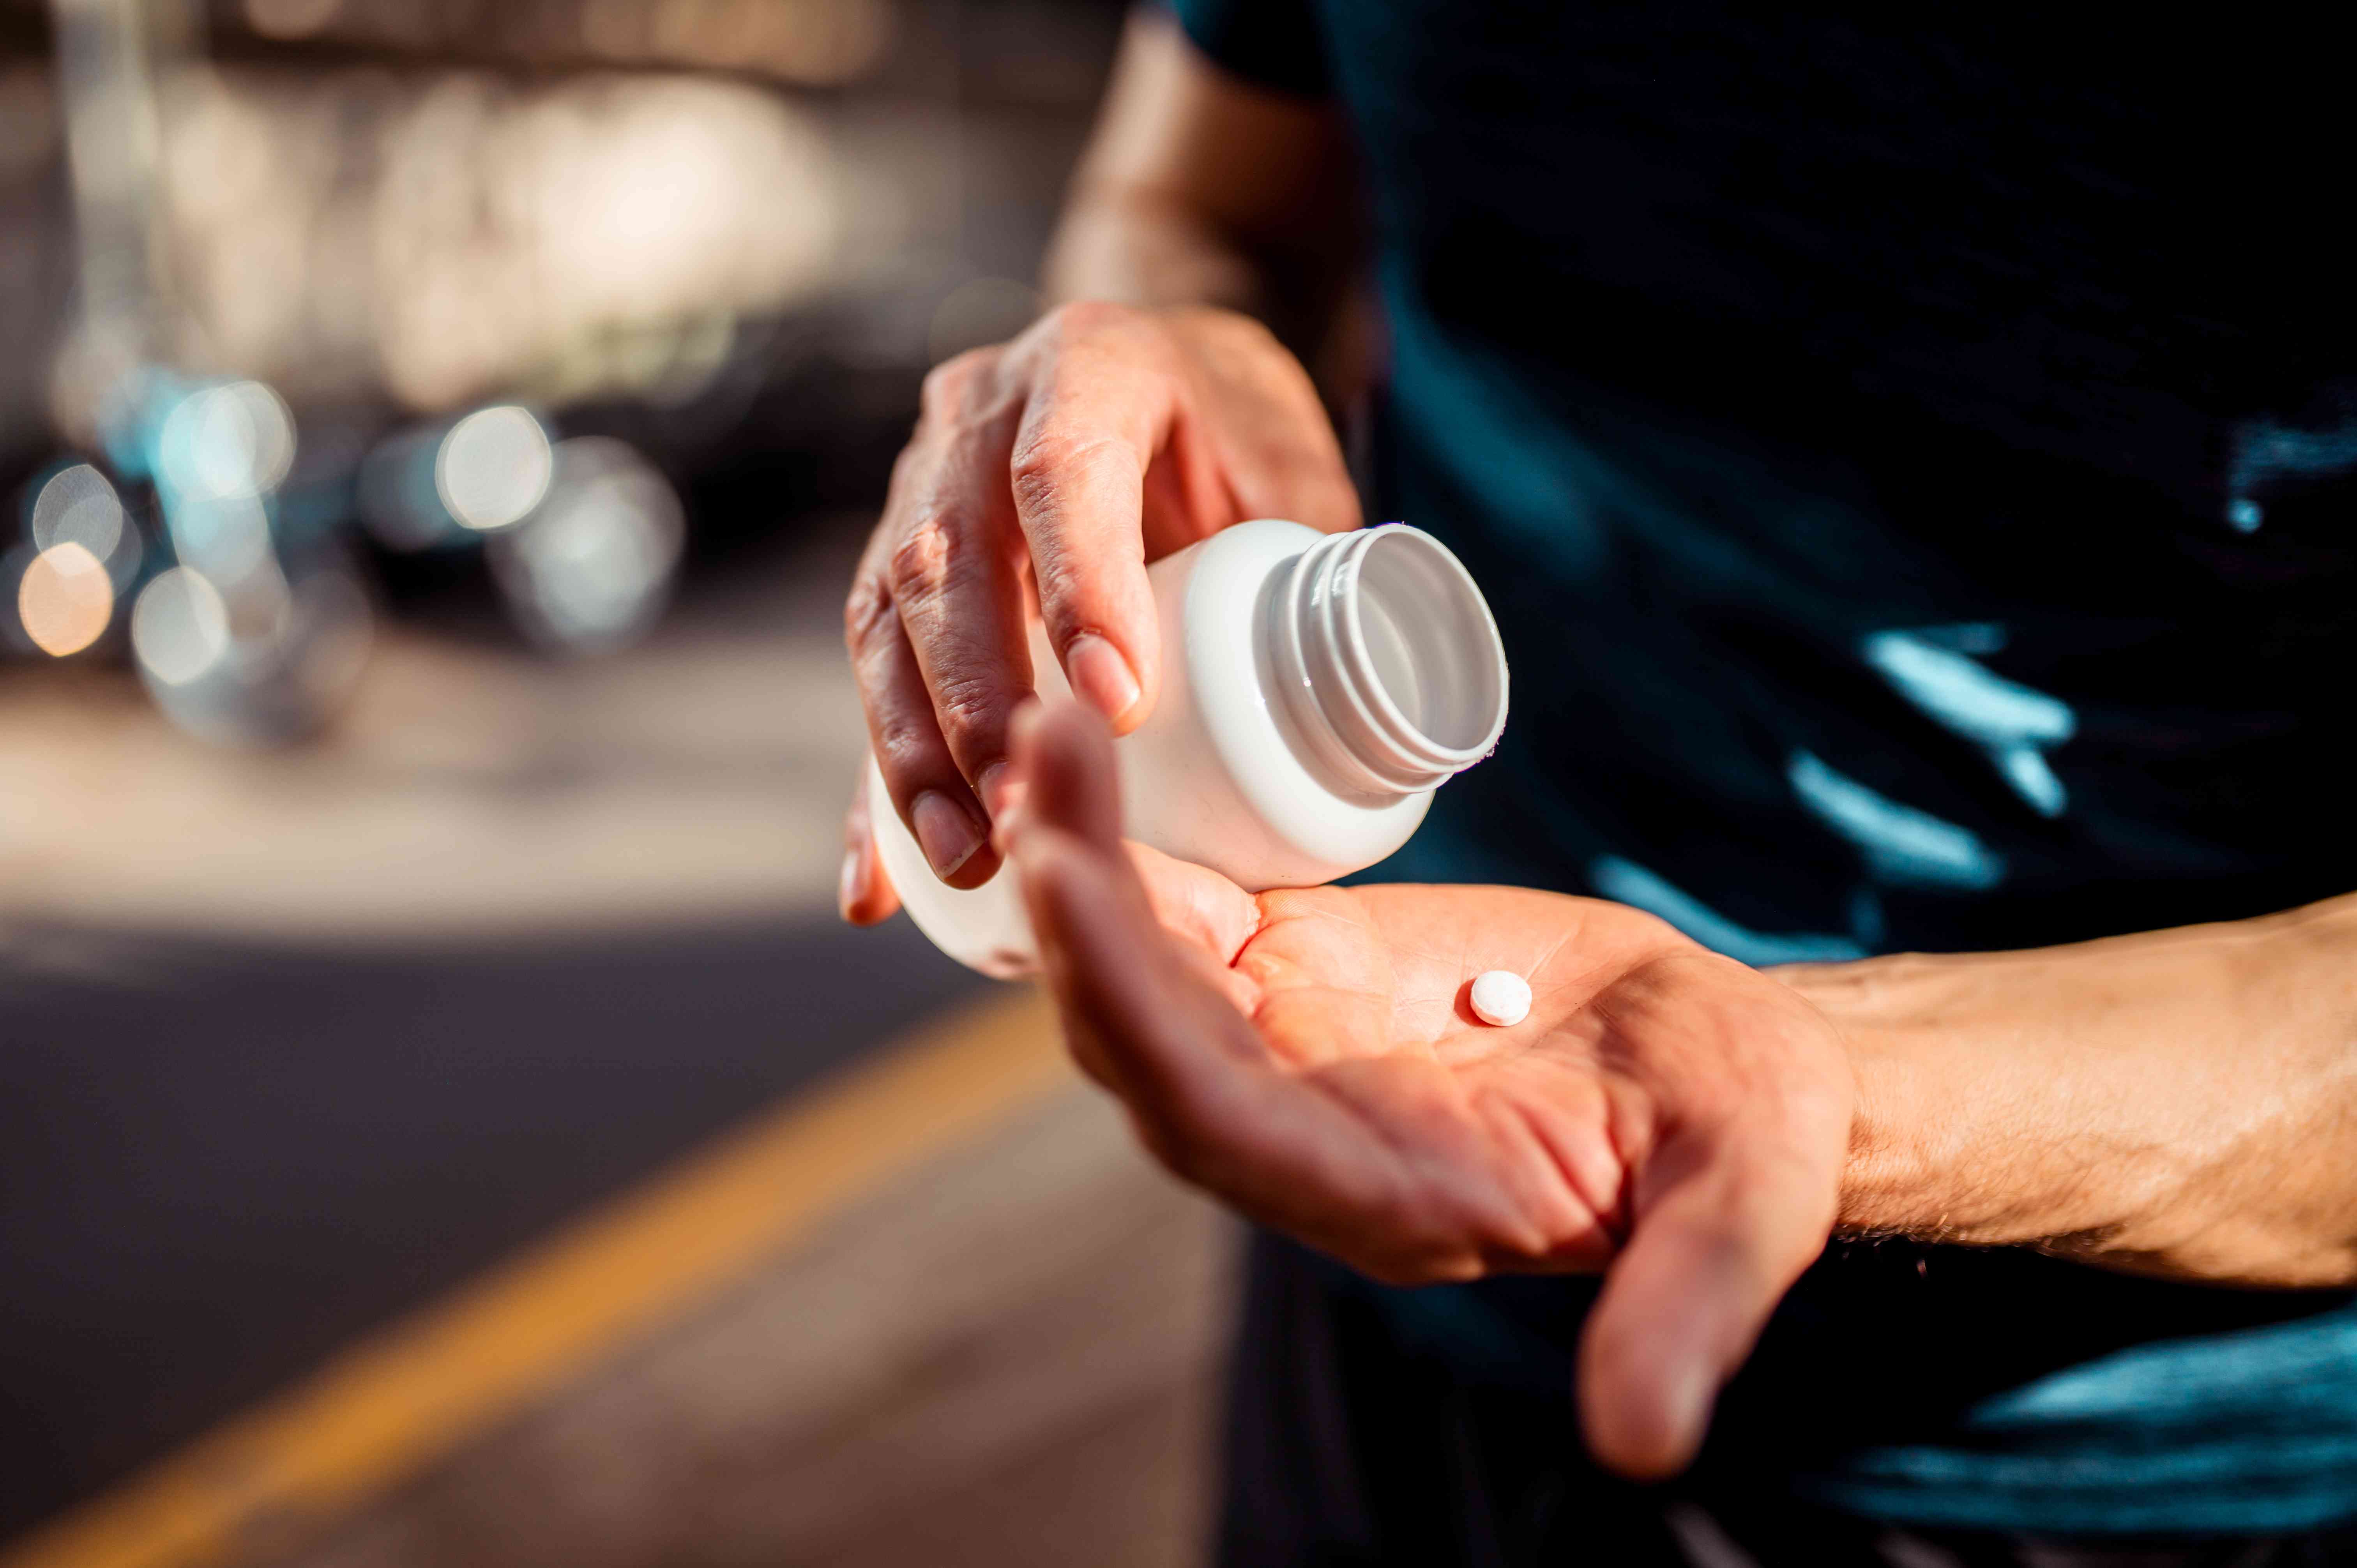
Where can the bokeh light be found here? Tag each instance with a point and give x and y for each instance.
(493, 467)
(227, 538)
(179, 627)
(65, 599)
(77, 506)
(264, 663)
(592, 567)
(123, 565)
(229, 441)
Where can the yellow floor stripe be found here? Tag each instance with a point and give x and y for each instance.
(395, 1404)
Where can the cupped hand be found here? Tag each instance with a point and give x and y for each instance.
(1664, 1114)
(1052, 470)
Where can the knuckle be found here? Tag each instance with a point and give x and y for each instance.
(924, 557)
(947, 384)
(969, 706)
(1045, 462)
(1039, 466)
(864, 612)
(907, 747)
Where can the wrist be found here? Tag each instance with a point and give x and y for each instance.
(2160, 1102)
(1900, 1175)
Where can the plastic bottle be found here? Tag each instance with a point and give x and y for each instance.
(1316, 690)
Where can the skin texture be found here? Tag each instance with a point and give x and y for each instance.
(1150, 408)
(1310, 1057)
(2178, 1103)
(1043, 475)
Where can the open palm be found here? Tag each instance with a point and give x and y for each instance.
(1309, 1057)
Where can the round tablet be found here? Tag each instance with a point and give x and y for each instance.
(1501, 997)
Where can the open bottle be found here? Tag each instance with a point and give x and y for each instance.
(1317, 690)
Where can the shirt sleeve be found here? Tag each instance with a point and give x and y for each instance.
(1273, 43)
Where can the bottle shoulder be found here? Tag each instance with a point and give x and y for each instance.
(1257, 809)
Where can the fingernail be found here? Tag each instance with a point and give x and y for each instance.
(944, 832)
(851, 887)
(1100, 676)
(1007, 826)
(997, 790)
(1002, 796)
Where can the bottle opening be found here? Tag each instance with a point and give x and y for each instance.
(1431, 644)
(1389, 660)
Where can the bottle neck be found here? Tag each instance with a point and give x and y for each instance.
(1388, 659)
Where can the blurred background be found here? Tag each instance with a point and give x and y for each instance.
(440, 1118)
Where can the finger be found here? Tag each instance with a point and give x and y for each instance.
(1077, 471)
(1681, 1308)
(1210, 915)
(1152, 1026)
(1069, 776)
(1158, 1035)
(923, 779)
(1196, 904)
(1286, 462)
(1186, 1062)
(953, 568)
(864, 892)
(1110, 963)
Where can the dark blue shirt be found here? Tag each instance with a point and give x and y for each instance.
(1912, 452)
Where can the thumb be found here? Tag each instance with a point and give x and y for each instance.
(1145, 1017)
(1705, 1263)
(1065, 775)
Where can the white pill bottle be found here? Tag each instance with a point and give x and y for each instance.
(1316, 690)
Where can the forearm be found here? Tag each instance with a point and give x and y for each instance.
(1136, 246)
(2179, 1102)
(1198, 188)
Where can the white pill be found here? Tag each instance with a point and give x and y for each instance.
(1500, 997)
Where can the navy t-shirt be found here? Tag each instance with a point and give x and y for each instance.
(1912, 452)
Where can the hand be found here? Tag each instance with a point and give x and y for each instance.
(1664, 1114)
(1101, 439)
